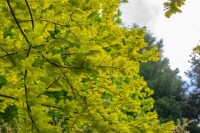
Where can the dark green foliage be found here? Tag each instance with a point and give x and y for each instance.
(2, 81)
(168, 108)
(193, 101)
(169, 92)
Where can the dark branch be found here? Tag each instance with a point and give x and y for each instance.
(26, 94)
(60, 66)
(111, 67)
(74, 122)
(49, 86)
(9, 56)
(74, 90)
(27, 103)
(9, 97)
(52, 106)
(50, 22)
(54, 64)
(29, 9)
(13, 14)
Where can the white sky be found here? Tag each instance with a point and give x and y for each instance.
(180, 33)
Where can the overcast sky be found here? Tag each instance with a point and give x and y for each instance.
(180, 33)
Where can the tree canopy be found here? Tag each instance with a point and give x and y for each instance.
(72, 59)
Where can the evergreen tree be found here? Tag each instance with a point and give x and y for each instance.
(192, 106)
(169, 93)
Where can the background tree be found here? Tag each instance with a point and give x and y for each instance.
(169, 91)
(192, 106)
(72, 59)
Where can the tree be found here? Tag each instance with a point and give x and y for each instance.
(169, 91)
(193, 103)
(73, 59)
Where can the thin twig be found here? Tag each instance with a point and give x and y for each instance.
(9, 56)
(57, 65)
(6, 96)
(74, 90)
(53, 106)
(60, 66)
(74, 122)
(49, 86)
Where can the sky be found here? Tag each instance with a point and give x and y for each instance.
(180, 33)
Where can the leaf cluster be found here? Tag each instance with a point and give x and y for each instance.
(173, 7)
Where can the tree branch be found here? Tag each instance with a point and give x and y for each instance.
(13, 14)
(9, 97)
(52, 106)
(111, 67)
(60, 66)
(29, 9)
(54, 64)
(74, 90)
(9, 56)
(26, 94)
(49, 86)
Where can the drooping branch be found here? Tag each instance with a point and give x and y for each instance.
(49, 86)
(29, 9)
(15, 18)
(9, 97)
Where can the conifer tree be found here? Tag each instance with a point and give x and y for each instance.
(192, 106)
(169, 90)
